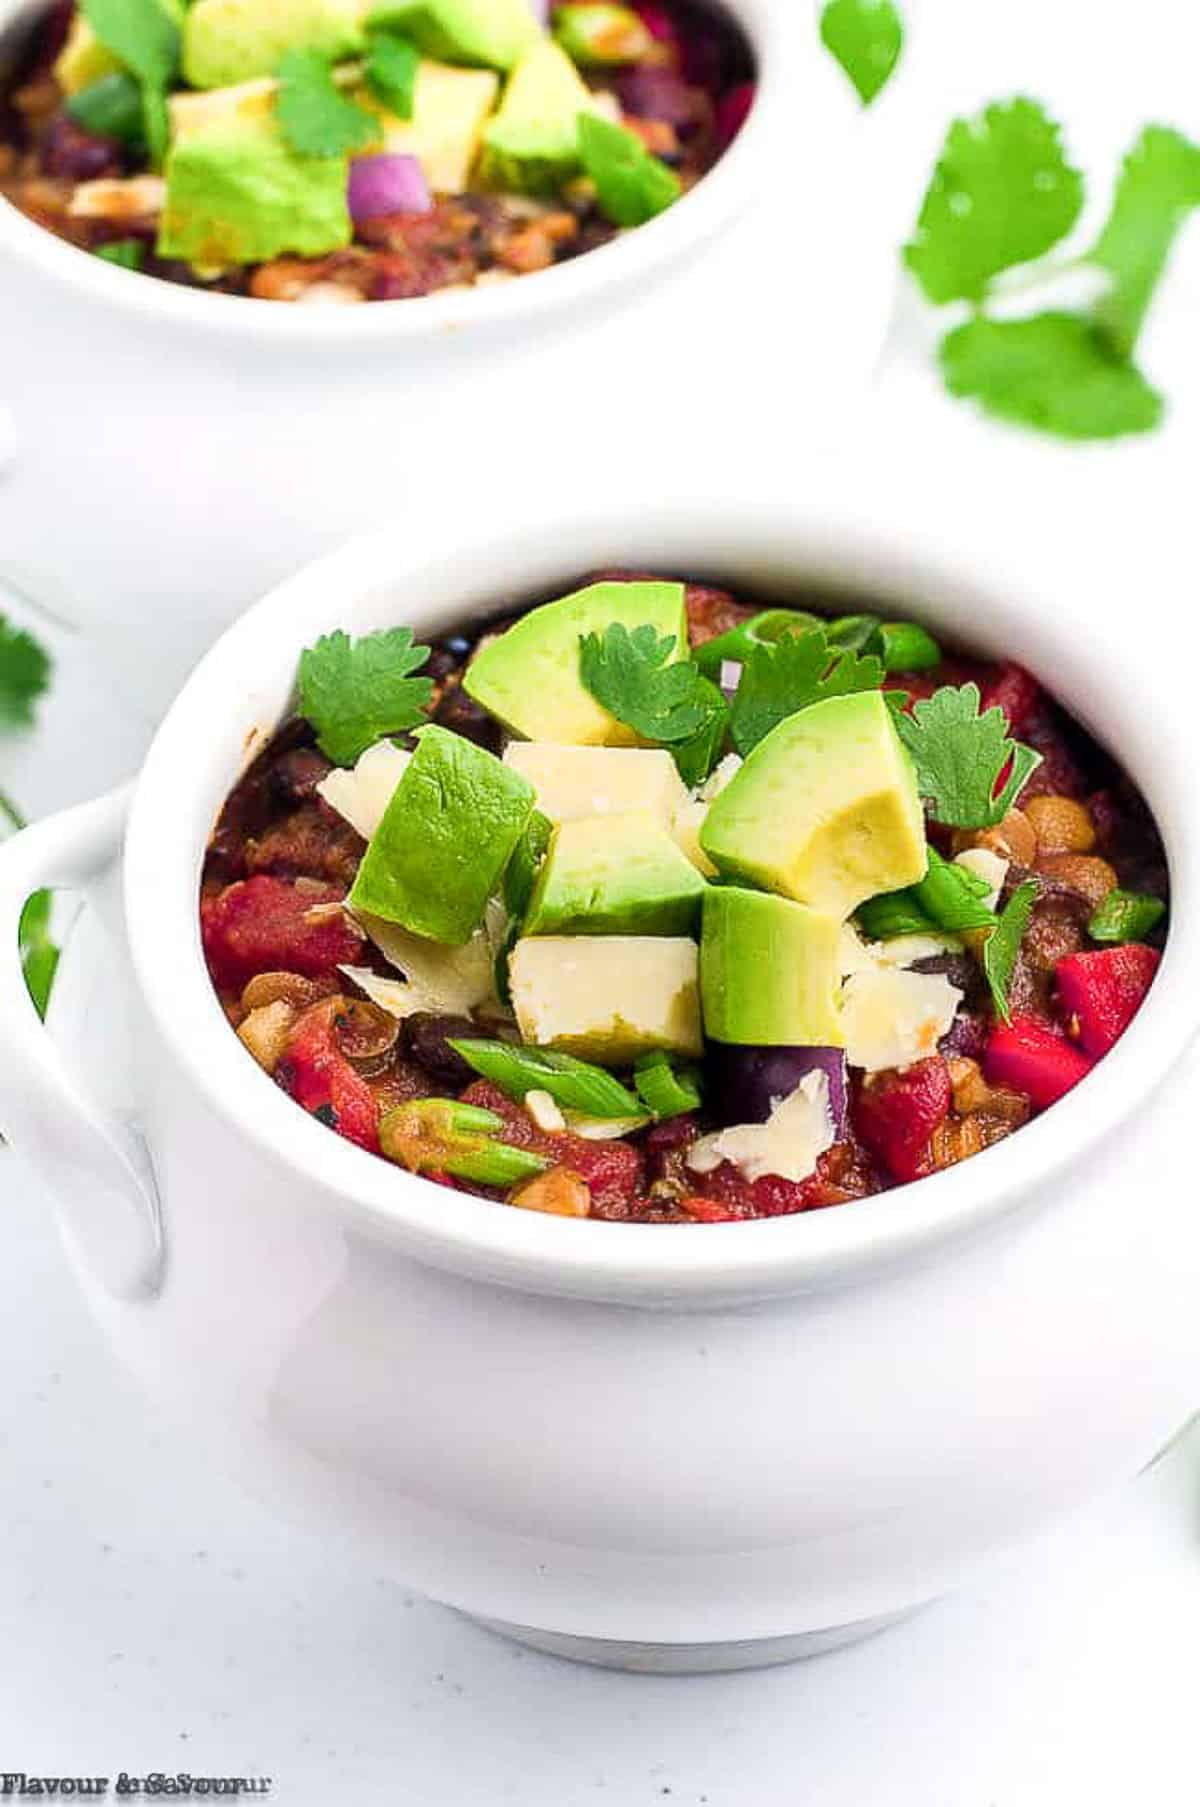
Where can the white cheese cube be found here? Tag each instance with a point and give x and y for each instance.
(607, 997)
(599, 781)
(363, 793)
(890, 1017)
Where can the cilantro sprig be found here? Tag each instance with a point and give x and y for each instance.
(315, 117)
(1004, 194)
(961, 755)
(636, 678)
(24, 674)
(798, 670)
(354, 692)
(143, 37)
(866, 38)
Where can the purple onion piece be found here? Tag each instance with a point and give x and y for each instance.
(742, 1084)
(388, 183)
(731, 677)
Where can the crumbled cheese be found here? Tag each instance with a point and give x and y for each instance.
(689, 816)
(789, 1143)
(989, 866)
(723, 773)
(602, 1129)
(890, 1017)
(363, 793)
(119, 198)
(544, 1111)
(453, 980)
(858, 956)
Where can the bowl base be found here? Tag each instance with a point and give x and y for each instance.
(693, 1659)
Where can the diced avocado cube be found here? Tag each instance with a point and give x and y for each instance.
(614, 875)
(529, 677)
(607, 998)
(230, 41)
(236, 194)
(491, 32)
(445, 838)
(602, 35)
(450, 109)
(532, 144)
(769, 971)
(825, 809)
(600, 781)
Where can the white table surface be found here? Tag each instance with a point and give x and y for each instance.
(152, 1619)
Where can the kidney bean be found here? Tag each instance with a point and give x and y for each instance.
(73, 155)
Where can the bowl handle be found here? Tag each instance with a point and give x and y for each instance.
(103, 1181)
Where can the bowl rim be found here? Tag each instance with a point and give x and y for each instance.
(733, 183)
(822, 541)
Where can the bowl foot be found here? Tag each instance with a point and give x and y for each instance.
(693, 1659)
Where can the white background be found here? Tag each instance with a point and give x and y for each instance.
(150, 1618)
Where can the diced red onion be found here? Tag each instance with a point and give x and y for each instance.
(388, 183)
(742, 1085)
(731, 677)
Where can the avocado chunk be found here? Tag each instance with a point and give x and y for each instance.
(825, 809)
(450, 108)
(446, 836)
(532, 144)
(769, 971)
(491, 32)
(607, 998)
(600, 781)
(236, 194)
(600, 35)
(529, 677)
(231, 41)
(614, 875)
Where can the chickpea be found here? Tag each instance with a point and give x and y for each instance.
(1091, 877)
(275, 988)
(265, 1033)
(558, 1190)
(1013, 839)
(1061, 825)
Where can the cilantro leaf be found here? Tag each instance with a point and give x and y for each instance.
(24, 674)
(1053, 372)
(1002, 946)
(696, 756)
(629, 674)
(960, 755)
(631, 184)
(314, 115)
(39, 953)
(356, 691)
(391, 71)
(144, 37)
(798, 670)
(866, 38)
(1002, 193)
(1158, 187)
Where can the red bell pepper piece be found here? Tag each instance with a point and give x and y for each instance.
(896, 1114)
(1103, 991)
(1028, 1056)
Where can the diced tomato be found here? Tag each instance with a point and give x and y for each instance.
(896, 1114)
(1012, 688)
(266, 924)
(323, 1082)
(612, 1169)
(1103, 991)
(1028, 1056)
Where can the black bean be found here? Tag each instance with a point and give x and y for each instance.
(427, 1036)
(459, 712)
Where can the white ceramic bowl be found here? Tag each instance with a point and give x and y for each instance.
(663, 1446)
(178, 451)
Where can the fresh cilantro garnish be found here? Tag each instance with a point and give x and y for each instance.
(1003, 194)
(960, 756)
(144, 37)
(629, 674)
(354, 692)
(126, 253)
(1002, 946)
(631, 184)
(39, 953)
(1158, 186)
(391, 70)
(314, 115)
(866, 37)
(798, 670)
(24, 674)
(1055, 372)
(696, 756)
